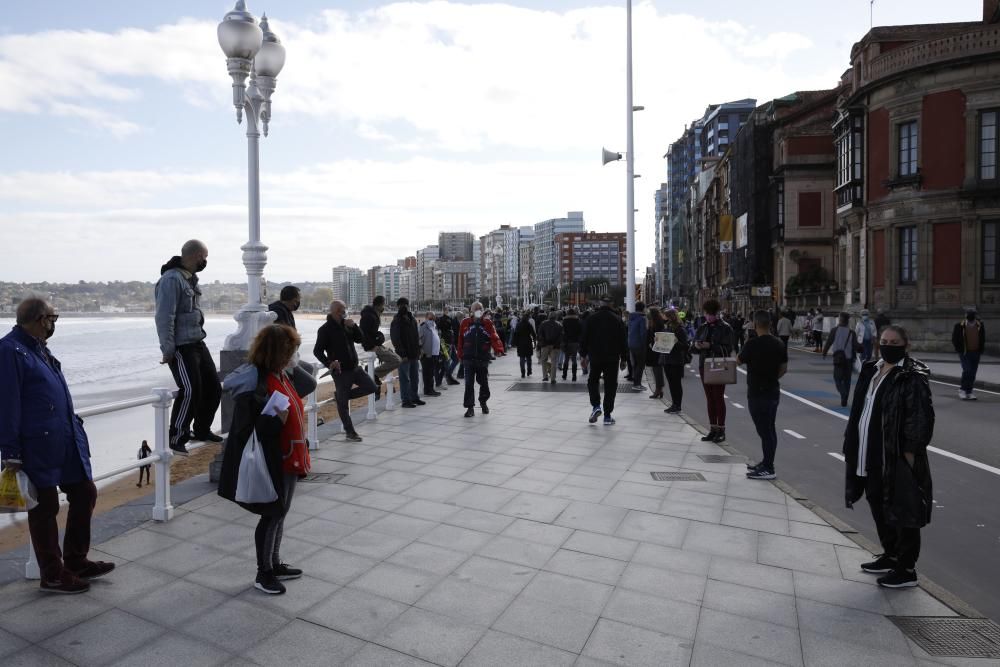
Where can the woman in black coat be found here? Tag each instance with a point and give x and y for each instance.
(673, 362)
(656, 323)
(885, 451)
(524, 339)
(282, 440)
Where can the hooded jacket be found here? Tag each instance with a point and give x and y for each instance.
(371, 321)
(179, 320)
(907, 428)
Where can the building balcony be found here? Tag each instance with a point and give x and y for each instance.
(975, 42)
(849, 195)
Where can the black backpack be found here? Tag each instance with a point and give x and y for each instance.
(476, 344)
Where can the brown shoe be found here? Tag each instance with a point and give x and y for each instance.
(92, 569)
(67, 584)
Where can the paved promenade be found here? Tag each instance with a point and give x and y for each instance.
(522, 537)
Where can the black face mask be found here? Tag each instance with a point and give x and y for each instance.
(295, 306)
(51, 329)
(201, 266)
(971, 317)
(893, 354)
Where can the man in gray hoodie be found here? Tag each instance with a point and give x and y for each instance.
(180, 327)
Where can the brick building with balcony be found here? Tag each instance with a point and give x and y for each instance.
(586, 256)
(917, 186)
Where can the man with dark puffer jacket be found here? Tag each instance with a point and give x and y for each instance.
(604, 342)
(374, 339)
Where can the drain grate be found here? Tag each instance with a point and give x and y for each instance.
(561, 387)
(678, 476)
(952, 637)
(322, 478)
(722, 458)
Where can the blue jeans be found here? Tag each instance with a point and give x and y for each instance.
(866, 353)
(409, 380)
(764, 411)
(970, 366)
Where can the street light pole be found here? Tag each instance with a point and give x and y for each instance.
(251, 51)
(629, 169)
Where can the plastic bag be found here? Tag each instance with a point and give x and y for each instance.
(10, 492)
(254, 483)
(28, 491)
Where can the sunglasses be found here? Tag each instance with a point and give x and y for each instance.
(53, 317)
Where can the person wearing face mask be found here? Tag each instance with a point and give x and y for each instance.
(406, 340)
(969, 339)
(430, 352)
(180, 326)
(885, 453)
(714, 338)
(477, 342)
(288, 302)
(41, 435)
(335, 349)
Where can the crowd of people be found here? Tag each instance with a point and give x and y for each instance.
(890, 423)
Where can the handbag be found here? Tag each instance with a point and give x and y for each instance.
(719, 371)
(664, 342)
(254, 485)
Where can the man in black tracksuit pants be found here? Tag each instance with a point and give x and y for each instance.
(605, 342)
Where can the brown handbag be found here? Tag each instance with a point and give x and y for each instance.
(719, 370)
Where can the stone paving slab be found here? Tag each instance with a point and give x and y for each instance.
(522, 537)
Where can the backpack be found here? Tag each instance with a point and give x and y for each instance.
(476, 344)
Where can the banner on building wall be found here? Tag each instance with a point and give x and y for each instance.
(741, 231)
(725, 233)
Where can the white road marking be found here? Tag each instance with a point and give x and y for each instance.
(794, 434)
(936, 450)
(839, 457)
(977, 390)
(737, 405)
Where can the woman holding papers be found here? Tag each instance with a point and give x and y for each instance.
(673, 362)
(656, 324)
(267, 414)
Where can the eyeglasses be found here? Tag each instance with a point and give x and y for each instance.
(51, 317)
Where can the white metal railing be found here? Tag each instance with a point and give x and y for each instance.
(162, 456)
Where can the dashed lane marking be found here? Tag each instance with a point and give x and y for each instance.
(839, 457)
(794, 434)
(736, 405)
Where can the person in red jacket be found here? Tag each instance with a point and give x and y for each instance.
(477, 342)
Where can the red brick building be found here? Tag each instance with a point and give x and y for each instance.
(917, 187)
(590, 255)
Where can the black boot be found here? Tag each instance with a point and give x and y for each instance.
(709, 437)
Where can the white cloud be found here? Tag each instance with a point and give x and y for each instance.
(458, 82)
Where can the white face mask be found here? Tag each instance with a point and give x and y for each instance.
(293, 362)
(478, 314)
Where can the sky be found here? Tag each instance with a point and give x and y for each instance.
(391, 122)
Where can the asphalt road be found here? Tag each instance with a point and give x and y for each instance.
(961, 546)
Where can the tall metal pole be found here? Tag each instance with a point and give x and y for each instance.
(630, 170)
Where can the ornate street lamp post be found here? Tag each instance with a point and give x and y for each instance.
(252, 51)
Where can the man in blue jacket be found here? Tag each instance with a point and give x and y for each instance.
(637, 344)
(180, 326)
(42, 436)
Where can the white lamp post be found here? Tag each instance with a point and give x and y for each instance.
(254, 52)
(497, 254)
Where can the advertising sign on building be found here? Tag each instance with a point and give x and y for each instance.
(725, 233)
(741, 231)
(760, 291)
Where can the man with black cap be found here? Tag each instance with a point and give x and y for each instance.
(969, 339)
(605, 342)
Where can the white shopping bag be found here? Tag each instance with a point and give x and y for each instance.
(28, 491)
(254, 483)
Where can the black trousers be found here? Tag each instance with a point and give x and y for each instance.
(270, 529)
(608, 370)
(763, 410)
(674, 373)
(903, 544)
(638, 356)
(570, 351)
(658, 377)
(199, 390)
(428, 366)
(476, 372)
(345, 382)
(525, 364)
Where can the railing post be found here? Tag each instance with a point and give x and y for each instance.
(314, 412)
(371, 397)
(390, 402)
(162, 509)
(31, 570)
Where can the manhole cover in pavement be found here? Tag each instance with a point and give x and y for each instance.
(952, 637)
(322, 478)
(722, 458)
(678, 476)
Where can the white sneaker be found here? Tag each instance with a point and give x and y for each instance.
(971, 397)
(962, 395)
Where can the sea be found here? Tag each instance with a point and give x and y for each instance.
(109, 359)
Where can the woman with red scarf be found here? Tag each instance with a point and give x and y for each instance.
(282, 438)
